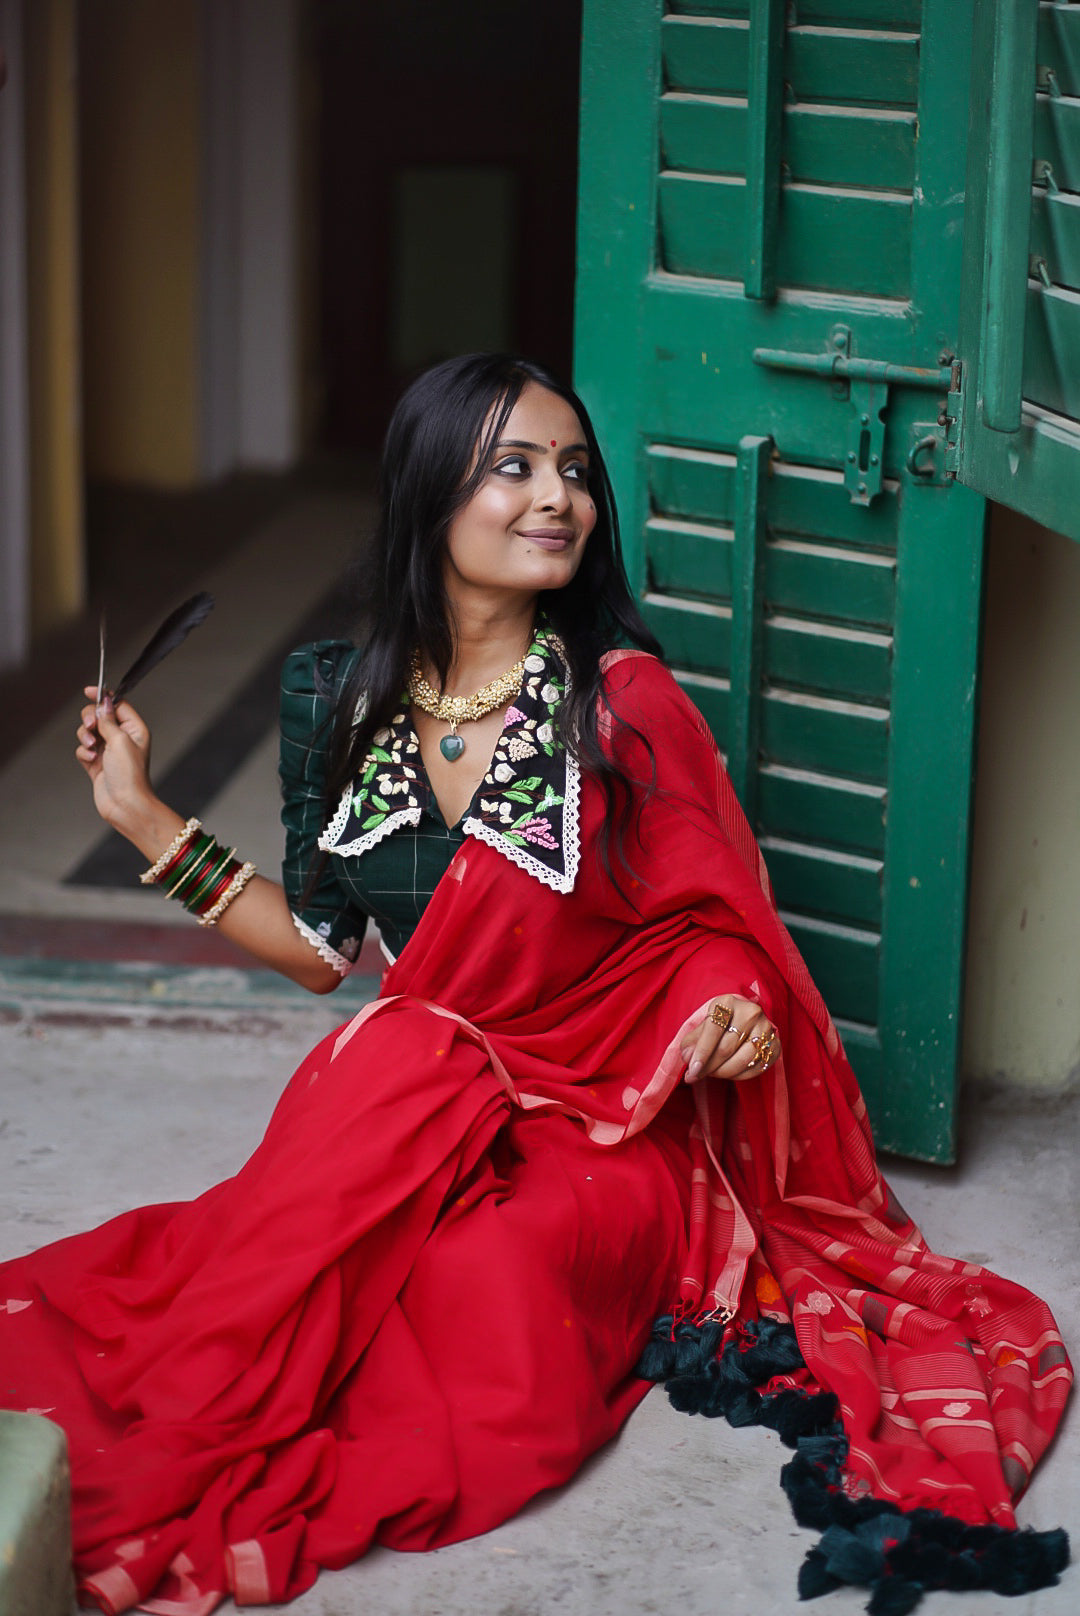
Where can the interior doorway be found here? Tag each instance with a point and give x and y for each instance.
(447, 192)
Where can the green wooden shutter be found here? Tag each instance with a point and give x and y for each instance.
(1017, 408)
(769, 253)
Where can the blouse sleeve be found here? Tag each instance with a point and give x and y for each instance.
(325, 915)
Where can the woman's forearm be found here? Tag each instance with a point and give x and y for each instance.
(258, 920)
(114, 750)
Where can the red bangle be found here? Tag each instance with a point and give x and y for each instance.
(212, 897)
(161, 878)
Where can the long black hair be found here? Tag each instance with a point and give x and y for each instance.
(439, 449)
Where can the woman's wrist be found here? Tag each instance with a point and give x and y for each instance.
(148, 823)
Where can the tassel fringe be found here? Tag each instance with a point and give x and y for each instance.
(869, 1542)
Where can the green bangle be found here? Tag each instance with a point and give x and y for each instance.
(193, 870)
(199, 877)
(210, 879)
(215, 889)
(188, 869)
(186, 863)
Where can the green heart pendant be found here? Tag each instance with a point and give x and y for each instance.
(451, 747)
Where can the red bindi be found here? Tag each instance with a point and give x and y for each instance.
(553, 443)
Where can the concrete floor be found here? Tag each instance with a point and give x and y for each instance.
(138, 1073)
(107, 1107)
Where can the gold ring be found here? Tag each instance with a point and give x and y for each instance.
(767, 1048)
(720, 1015)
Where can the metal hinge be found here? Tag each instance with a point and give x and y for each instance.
(953, 417)
(865, 384)
(934, 446)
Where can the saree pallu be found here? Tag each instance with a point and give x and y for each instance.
(423, 1298)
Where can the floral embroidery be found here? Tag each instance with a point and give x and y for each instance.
(957, 1411)
(527, 805)
(820, 1302)
(539, 831)
(390, 747)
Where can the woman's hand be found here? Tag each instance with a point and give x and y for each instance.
(114, 749)
(735, 1039)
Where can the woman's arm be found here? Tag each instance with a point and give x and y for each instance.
(114, 750)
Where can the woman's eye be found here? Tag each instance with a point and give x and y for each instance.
(514, 466)
(576, 470)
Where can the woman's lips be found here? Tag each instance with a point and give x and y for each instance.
(548, 538)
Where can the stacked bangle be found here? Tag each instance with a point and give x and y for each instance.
(236, 885)
(202, 875)
(171, 853)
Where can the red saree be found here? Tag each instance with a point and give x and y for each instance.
(422, 1299)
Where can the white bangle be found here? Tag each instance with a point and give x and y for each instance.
(178, 841)
(233, 890)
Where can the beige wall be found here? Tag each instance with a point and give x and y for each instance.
(140, 127)
(57, 581)
(1022, 1011)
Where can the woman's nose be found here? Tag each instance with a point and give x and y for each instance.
(551, 492)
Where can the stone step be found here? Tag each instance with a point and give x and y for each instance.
(35, 1518)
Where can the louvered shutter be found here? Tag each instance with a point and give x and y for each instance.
(1017, 433)
(769, 261)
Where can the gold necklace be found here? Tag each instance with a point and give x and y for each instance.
(455, 710)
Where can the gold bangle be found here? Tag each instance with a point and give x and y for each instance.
(171, 851)
(233, 890)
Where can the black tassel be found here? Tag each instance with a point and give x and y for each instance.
(897, 1554)
(176, 628)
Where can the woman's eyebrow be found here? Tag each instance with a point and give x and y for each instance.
(539, 448)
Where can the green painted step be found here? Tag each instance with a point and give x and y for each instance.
(35, 1518)
(146, 985)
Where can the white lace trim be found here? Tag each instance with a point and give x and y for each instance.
(339, 821)
(571, 807)
(341, 965)
(363, 844)
(527, 861)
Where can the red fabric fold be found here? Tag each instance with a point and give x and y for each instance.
(421, 1300)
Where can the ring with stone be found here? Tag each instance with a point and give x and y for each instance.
(766, 1046)
(720, 1015)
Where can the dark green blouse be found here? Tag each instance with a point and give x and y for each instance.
(388, 844)
(393, 882)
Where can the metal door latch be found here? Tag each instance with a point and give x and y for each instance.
(865, 384)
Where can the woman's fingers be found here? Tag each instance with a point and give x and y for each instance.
(105, 720)
(89, 748)
(723, 1044)
(735, 1040)
(113, 746)
(716, 1025)
(758, 1048)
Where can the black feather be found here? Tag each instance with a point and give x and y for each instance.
(176, 627)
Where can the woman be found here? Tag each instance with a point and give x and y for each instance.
(598, 1086)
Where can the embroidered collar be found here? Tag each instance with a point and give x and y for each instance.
(527, 805)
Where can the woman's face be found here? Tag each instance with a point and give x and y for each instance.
(525, 528)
